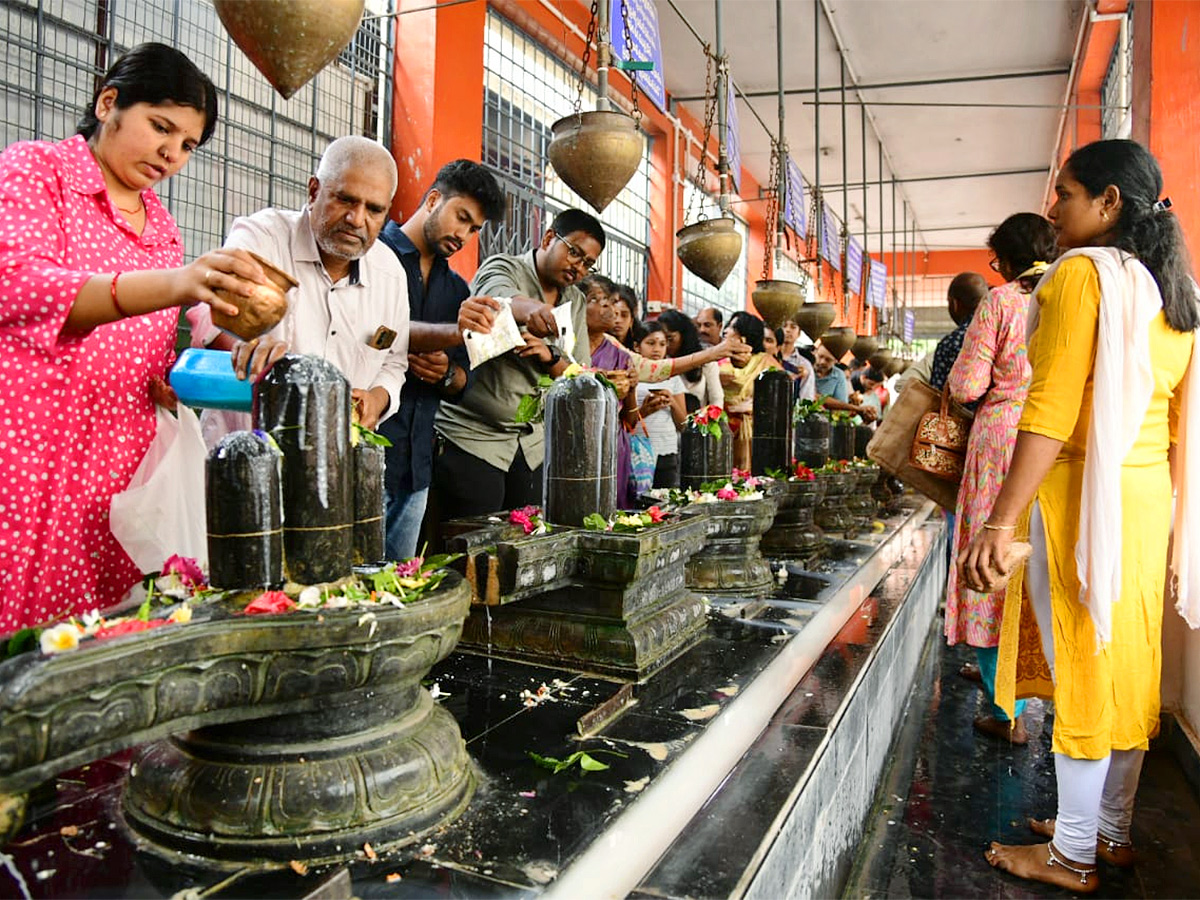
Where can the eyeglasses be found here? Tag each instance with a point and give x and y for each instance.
(577, 256)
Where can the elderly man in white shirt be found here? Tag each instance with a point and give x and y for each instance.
(350, 287)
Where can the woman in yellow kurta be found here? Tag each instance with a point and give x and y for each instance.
(738, 382)
(1110, 355)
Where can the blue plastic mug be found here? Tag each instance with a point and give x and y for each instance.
(205, 378)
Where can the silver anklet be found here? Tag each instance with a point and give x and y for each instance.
(1112, 844)
(1056, 860)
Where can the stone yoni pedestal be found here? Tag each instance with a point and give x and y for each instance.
(794, 534)
(732, 561)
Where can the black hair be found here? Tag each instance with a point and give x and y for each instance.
(967, 290)
(569, 221)
(750, 327)
(1021, 240)
(603, 282)
(467, 178)
(689, 338)
(875, 375)
(155, 74)
(778, 332)
(629, 296)
(717, 314)
(1152, 235)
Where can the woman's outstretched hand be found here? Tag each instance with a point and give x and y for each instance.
(226, 269)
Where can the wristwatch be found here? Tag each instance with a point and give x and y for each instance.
(448, 378)
(555, 356)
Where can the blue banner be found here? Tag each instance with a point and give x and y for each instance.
(878, 288)
(910, 326)
(647, 47)
(795, 207)
(733, 146)
(831, 238)
(854, 266)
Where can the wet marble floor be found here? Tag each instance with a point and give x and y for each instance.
(951, 791)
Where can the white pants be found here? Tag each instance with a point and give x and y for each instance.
(1094, 795)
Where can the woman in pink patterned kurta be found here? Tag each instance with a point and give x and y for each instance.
(91, 268)
(992, 365)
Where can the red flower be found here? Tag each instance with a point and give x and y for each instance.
(714, 412)
(268, 603)
(129, 626)
(656, 515)
(187, 569)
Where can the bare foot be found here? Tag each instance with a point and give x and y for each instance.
(970, 671)
(1035, 864)
(1115, 853)
(1013, 732)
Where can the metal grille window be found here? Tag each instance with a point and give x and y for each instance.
(527, 89)
(1116, 92)
(698, 293)
(264, 148)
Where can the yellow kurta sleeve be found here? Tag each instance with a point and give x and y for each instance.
(1062, 351)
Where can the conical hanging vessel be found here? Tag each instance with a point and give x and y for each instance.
(777, 301)
(880, 358)
(709, 249)
(814, 318)
(838, 340)
(596, 153)
(865, 346)
(290, 41)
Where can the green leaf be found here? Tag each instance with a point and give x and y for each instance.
(777, 474)
(22, 641)
(440, 561)
(595, 522)
(590, 764)
(368, 436)
(528, 409)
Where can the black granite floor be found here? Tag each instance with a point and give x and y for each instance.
(950, 791)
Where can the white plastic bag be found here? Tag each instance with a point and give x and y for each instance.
(504, 336)
(161, 512)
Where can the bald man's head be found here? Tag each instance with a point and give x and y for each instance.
(349, 198)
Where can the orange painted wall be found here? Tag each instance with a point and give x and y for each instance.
(1171, 125)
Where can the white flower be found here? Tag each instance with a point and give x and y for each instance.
(310, 597)
(91, 621)
(336, 601)
(59, 638)
(181, 616)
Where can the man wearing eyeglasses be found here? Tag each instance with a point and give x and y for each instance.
(487, 461)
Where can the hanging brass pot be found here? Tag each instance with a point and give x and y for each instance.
(777, 301)
(596, 153)
(814, 318)
(895, 366)
(838, 340)
(709, 249)
(865, 346)
(290, 41)
(881, 358)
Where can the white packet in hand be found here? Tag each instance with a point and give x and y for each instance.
(504, 336)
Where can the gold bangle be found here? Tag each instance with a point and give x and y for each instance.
(990, 527)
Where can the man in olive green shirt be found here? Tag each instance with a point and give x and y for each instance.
(488, 462)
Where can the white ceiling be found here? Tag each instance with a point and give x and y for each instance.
(896, 41)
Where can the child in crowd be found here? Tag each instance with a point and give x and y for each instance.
(662, 407)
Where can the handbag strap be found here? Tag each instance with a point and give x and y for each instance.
(946, 399)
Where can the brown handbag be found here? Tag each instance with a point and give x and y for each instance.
(939, 444)
(891, 446)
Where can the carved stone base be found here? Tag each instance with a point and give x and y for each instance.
(731, 561)
(282, 789)
(794, 534)
(554, 634)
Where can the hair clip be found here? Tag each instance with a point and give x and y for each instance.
(1161, 205)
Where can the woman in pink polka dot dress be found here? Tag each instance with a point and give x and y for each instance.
(91, 268)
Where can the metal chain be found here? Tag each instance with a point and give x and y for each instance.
(637, 113)
(710, 112)
(587, 55)
(772, 214)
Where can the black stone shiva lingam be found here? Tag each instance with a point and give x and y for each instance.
(296, 736)
(604, 602)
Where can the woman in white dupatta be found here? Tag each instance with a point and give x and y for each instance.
(1100, 452)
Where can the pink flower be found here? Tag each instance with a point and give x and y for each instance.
(727, 493)
(268, 603)
(740, 474)
(411, 568)
(187, 570)
(127, 627)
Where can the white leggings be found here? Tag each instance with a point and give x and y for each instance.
(1094, 795)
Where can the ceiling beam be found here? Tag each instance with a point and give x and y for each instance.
(887, 85)
(1040, 170)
